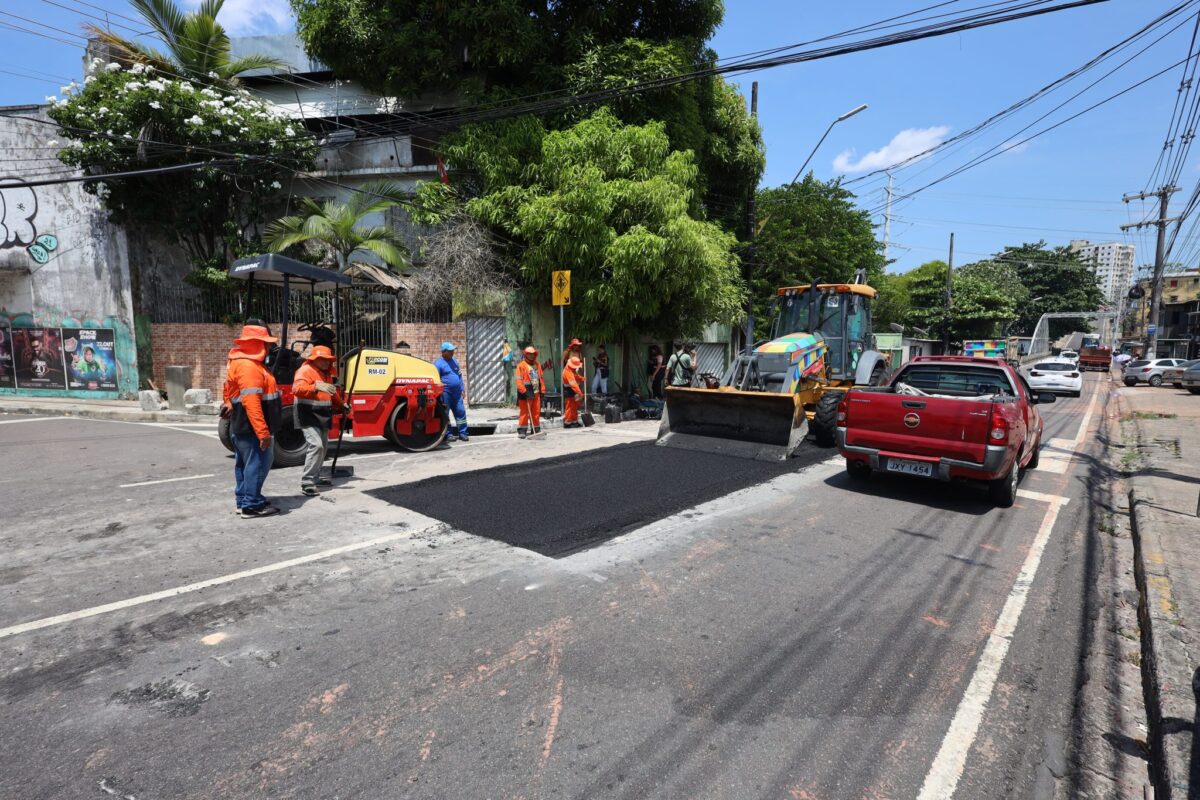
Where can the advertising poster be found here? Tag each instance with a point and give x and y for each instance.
(8, 376)
(90, 358)
(39, 358)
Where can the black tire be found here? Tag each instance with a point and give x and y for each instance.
(1131, 382)
(824, 421)
(878, 375)
(1155, 380)
(223, 433)
(1037, 454)
(418, 441)
(1004, 490)
(857, 470)
(1193, 390)
(289, 443)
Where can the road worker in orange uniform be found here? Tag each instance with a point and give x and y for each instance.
(316, 400)
(530, 388)
(255, 410)
(572, 386)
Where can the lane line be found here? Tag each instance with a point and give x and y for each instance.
(167, 480)
(29, 419)
(107, 608)
(943, 776)
(1045, 498)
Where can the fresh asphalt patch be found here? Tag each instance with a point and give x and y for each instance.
(558, 506)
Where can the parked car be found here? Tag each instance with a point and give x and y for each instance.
(1148, 370)
(1174, 375)
(945, 417)
(1191, 379)
(1069, 355)
(1058, 375)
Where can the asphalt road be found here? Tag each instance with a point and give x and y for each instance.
(785, 634)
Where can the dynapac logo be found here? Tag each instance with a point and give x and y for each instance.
(376, 359)
(912, 420)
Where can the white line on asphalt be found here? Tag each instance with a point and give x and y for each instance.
(166, 480)
(29, 419)
(60, 619)
(1045, 498)
(948, 765)
(211, 433)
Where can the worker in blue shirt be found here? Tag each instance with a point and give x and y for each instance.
(454, 391)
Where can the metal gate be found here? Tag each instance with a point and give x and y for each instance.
(485, 373)
(710, 357)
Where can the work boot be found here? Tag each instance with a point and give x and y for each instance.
(521, 433)
(261, 511)
(324, 482)
(465, 438)
(309, 491)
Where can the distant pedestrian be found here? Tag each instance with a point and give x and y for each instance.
(600, 380)
(655, 372)
(316, 401)
(252, 402)
(454, 391)
(573, 387)
(509, 365)
(530, 388)
(680, 366)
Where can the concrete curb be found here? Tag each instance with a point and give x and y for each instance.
(1167, 678)
(119, 415)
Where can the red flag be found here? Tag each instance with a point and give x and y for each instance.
(442, 170)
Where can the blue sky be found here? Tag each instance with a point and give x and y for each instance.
(1066, 184)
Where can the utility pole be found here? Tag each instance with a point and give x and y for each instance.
(949, 298)
(751, 254)
(887, 221)
(1160, 259)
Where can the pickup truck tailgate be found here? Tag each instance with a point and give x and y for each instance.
(934, 427)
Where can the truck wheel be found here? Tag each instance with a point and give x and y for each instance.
(878, 375)
(1004, 490)
(1193, 390)
(1037, 454)
(1155, 380)
(289, 442)
(857, 470)
(223, 433)
(824, 422)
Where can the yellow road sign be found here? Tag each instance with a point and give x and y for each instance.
(560, 283)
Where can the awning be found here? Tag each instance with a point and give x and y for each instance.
(271, 268)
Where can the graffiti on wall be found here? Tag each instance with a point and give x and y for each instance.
(18, 225)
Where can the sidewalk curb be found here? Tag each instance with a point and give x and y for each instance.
(118, 415)
(1167, 678)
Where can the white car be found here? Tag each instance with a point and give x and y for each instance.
(1148, 371)
(1056, 375)
(1069, 355)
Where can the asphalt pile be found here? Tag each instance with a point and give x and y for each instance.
(558, 506)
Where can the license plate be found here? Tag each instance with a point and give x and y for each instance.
(922, 468)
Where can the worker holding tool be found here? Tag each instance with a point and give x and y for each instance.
(252, 401)
(316, 400)
(572, 386)
(574, 350)
(453, 391)
(530, 388)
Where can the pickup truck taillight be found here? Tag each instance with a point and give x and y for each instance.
(998, 428)
(841, 413)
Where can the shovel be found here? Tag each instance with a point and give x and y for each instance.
(586, 417)
(346, 472)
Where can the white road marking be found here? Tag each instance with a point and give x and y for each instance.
(166, 480)
(29, 419)
(1045, 498)
(947, 768)
(95, 611)
(211, 433)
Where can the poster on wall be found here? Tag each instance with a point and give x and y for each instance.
(39, 358)
(91, 358)
(7, 368)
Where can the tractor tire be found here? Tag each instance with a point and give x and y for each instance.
(224, 435)
(878, 375)
(824, 422)
(1003, 491)
(857, 470)
(289, 442)
(1155, 381)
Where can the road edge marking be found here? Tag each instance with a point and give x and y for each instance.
(95, 611)
(167, 480)
(951, 759)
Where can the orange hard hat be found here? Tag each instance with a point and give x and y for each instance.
(574, 363)
(576, 343)
(320, 351)
(530, 351)
(255, 333)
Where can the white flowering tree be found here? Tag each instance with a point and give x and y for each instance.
(134, 118)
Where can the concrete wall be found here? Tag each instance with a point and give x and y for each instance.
(62, 265)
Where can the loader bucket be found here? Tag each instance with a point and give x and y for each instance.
(766, 426)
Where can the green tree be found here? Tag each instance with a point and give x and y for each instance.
(612, 202)
(339, 227)
(1056, 280)
(809, 231)
(197, 46)
(986, 301)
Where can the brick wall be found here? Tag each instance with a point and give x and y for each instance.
(204, 347)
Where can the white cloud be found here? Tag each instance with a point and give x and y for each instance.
(253, 17)
(905, 144)
(1014, 147)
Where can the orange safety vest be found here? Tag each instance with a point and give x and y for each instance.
(529, 378)
(255, 404)
(312, 408)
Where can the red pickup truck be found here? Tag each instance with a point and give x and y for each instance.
(945, 417)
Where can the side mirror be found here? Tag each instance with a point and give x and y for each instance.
(1046, 397)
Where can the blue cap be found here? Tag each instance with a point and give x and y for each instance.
(448, 346)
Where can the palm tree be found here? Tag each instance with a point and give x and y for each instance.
(197, 46)
(336, 225)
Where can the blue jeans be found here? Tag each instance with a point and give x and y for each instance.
(250, 467)
(458, 410)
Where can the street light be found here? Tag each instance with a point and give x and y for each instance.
(842, 118)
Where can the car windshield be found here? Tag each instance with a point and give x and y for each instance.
(1141, 363)
(956, 379)
(1053, 366)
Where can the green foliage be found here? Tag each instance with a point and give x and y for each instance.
(338, 226)
(611, 203)
(809, 231)
(1057, 280)
(893, 302)
(133, 119)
